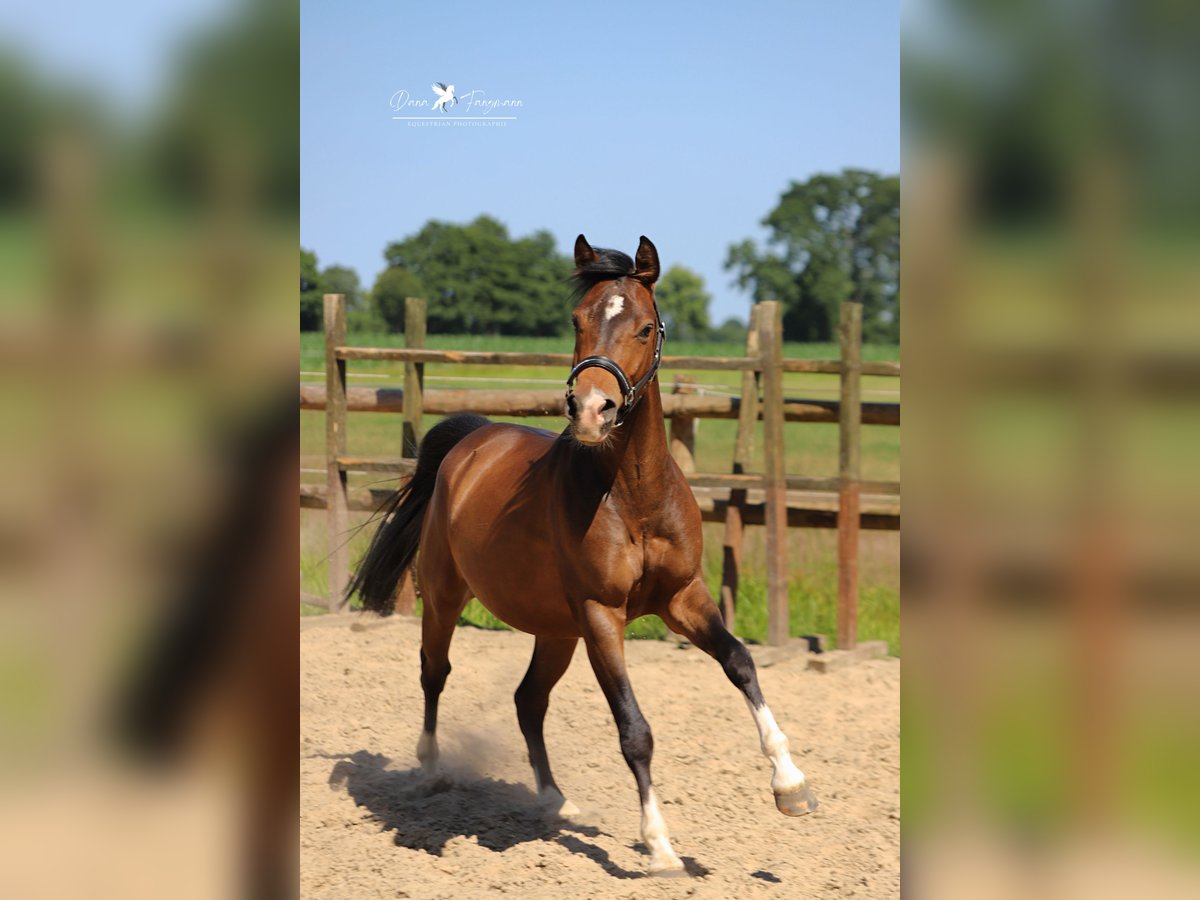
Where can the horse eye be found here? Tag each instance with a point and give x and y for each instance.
(645, 332)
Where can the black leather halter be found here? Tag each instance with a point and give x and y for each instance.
(631, 393)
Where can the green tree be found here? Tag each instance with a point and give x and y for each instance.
(832, 238)
(343, 280)
(387, 296)
(683, 303)
(221, 126)
(732, 329)
(311, 291)
(23, 115)
(478, 280)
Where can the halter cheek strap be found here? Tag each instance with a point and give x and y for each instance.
(631, 393)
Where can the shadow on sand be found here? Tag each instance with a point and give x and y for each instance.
(424, 812)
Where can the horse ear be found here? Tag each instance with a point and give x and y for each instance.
(646, 262)
(584, 253)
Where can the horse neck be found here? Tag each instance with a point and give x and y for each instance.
(640, 457)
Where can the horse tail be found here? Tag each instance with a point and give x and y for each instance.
(394, 544)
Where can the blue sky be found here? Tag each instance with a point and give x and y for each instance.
(680, 121)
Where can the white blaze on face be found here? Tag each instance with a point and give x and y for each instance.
(787, 778)
(616, 303)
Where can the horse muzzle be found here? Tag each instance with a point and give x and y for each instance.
(592, 415)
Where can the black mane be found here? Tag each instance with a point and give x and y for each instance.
(607, 266)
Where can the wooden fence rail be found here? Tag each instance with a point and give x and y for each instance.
(564, 360)
(762, 366)
(446, 401)
(712, 509)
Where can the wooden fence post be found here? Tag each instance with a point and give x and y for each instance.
(683, 428)
(335, 446)
(743, 450)
(771, 347)
(850, 427)
(414, 412)
(414, 375)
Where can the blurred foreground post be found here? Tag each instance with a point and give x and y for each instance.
(775, 477)
(850, 426)
(335, 449)
(743, 449)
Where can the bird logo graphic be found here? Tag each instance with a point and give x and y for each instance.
(445, 96)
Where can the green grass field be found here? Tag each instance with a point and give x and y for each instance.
(811, 449)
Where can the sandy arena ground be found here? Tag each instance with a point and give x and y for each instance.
(372, 825)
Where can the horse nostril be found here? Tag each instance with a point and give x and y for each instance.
(608, 404)
(572, 409)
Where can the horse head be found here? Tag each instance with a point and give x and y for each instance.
(618, 337)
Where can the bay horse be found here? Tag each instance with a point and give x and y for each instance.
(568, 536)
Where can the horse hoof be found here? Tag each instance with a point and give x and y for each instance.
(796, 803)
(672, 868)
(427, 752)
(556, 804)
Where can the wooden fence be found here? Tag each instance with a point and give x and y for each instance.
(762, 369)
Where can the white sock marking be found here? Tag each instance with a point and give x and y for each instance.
(654, 836)
(616, 303)
(553, 801)
(787, 778)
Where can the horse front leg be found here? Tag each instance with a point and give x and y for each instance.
(551, 657)
(691, 613)
(604, 636)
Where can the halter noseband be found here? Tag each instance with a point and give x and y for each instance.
(631, 393)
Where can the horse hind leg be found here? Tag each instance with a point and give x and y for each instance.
(442, 605)
(692, 614)
(551, 657)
